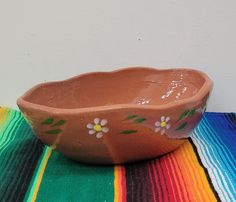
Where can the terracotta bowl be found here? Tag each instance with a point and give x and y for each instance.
(116, 117)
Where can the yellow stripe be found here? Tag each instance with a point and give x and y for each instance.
(43, 167)
(4, 116)
(117, 184)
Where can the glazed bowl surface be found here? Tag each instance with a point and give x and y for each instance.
(122, 116)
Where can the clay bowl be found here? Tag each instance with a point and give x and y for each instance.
(116, 117)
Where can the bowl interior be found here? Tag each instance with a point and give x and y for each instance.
(139, 86)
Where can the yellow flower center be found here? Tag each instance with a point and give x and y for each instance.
(97, 128)
(163, 124)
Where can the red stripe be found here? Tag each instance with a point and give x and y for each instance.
(158, 181)
(169, 179)
(123, 184)
(149, 166)
(183, 187)
(172, 175)
(163, 183)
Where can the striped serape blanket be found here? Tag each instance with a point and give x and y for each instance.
(201, 170)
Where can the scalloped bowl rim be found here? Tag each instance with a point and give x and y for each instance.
(205, 88)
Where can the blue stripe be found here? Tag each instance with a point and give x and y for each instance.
(224, 132)
(221, 149)
(209, 165)
(209, 155)
(216, 135)
(214, 138)
(222, 160)
(229, 117)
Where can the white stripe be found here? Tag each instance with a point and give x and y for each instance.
(230, 175)
(208, 165)
(217, 166)
(215, 173)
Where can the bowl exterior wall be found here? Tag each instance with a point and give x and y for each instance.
(116, 135)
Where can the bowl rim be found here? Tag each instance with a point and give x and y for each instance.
(204, 90)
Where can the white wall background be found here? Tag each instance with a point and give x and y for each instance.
(55, 39)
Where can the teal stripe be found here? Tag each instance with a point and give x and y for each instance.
(9, 160)
(13, 148)
(9, 136)
(27, 156)
(5, 157)
(66, 180)
(18, 156)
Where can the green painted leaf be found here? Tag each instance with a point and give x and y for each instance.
(192, 112)
(48, 121)
(182, 126)
(184, 114)
(139, 120)
(59, 123)
(54, 132)
(131, 117)
(129, 131)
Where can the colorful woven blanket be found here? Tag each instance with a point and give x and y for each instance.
(202, 170)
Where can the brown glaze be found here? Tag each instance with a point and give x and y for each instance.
(117, 117)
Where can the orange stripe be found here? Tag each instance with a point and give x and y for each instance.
(187, 172)
(179, 175)
(194, 176)
(193, 171)
(119, 184)
(202, 177)
(199, 172)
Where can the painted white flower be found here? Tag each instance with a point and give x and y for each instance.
(162, 125)
(98, 127)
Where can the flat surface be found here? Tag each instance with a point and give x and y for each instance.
(200, 170)
(53, 40)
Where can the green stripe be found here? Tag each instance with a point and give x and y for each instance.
(9, 135)
(8, 160)
(19, 152)
(35, 178)
(22, 162)
(66, 180)
(6, 155)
